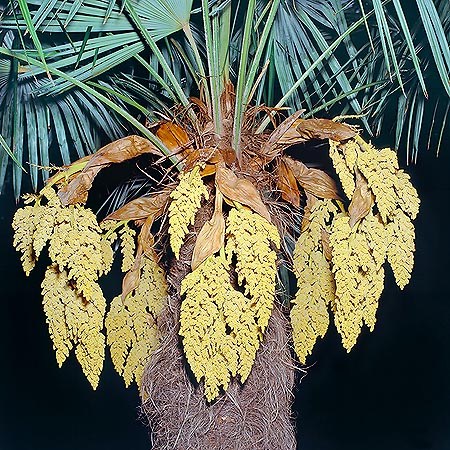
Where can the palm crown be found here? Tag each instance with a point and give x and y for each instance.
(207, 88)
(72, 71)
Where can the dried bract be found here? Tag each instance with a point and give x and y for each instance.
(240, 190)
(287, 184)
(362, 200)
(142, 208)
(115, 152)
(314, 181)
(211, 237)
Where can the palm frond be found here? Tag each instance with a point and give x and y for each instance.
(44, 121)
(324, 60)
(110, 42)
(120, 60)
(84, 41)
(438, 39)
(241, 80)
(160, 17)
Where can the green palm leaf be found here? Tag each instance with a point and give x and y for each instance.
(111, 59)
(76, 116)
(356, 67)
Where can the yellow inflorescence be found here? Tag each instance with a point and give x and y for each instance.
(216, 326)
(76, 245)
(378, 237)
(359, 280)
(350, 152)
(396, 200)
(186, 198)
(248, 237)
(309, 321)
(380, 167)
(56, 294)
(74, 321)
(344, 166)
(131, 328)
(309, 315)
(407, 197)
(24, 225)
(127, 245)
(72, 298)
(358, 253)
(401, 248)
(222, 327)
(109, 237)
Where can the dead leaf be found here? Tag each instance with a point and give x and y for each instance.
(115, 152)
(303, 130)
(211, 236)
(287, 184)
(362, 200)
(142, 208)
(240, 190)
(315, 181)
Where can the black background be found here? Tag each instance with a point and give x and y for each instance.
(390, 393)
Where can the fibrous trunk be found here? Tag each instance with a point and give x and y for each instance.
(256, 415)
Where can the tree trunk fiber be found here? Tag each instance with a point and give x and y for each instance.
(256, 415)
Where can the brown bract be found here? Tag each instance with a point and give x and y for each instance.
(209, 169)
(287, 184)
(211, 237)
(146, 240)
(172, 135)
(115, 152)
(174, 138)
(362, 200)
(314, 181)
(269, 149)
(303, 130)
(199, 156)
(142, 208)
(131, 279)
(240, 190)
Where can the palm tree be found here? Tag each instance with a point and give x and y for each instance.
(246, 228)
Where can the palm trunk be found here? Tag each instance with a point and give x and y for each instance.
(256, 415)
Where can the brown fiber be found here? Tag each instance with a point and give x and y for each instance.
(256, 415)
